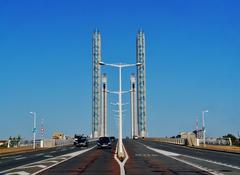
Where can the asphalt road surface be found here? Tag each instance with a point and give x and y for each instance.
(176, 159)
(12, 161)
(144, 161)
(62, 160)
(145, 157)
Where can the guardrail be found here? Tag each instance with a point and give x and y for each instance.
(178, 141)
(60, 142)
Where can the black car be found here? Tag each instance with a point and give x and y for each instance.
(104, 142)
(81, 141)
(112, 138)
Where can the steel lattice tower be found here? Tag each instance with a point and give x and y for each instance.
(141, 84)
(96, 83)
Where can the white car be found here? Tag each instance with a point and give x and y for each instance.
(135, 137)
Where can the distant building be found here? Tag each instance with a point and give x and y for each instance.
(198, 133)
(58, 135)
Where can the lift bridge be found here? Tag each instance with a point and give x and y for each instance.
(99, 90)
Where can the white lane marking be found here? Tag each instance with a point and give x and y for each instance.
(31, 166)
(210, 161)
(166, 153)
(19, 173)
(20, 158)
(70, 154)
(121, 164)
(50, 160)
(10, 157)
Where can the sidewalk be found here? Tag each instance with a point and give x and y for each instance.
(11, 151)
(234, 149)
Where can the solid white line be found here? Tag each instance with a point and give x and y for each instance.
(210, 161)
(126, 154)
(31, 166)
(19, 173)
(183, 161)
(50, 160)
(70, 154)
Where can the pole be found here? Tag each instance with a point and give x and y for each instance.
(204, 129)
(120, 149)
(132, 113)
(34, 129)
(102, 122)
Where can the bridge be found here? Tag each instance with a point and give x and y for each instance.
(137, 155)
(143, 157)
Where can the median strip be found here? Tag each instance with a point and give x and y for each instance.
(121, 163)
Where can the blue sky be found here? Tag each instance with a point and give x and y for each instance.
(192, 57)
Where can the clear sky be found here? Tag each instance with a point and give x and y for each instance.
(192, 57)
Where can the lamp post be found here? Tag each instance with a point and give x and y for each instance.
(203, 127)
(120, 92)
(34, 129)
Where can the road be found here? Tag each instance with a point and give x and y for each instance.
(148, 157)
(62, 160)
(145, 157)
(12, 161)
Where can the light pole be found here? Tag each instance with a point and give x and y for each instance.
(203, 127)
(120, 92)
(34, 129)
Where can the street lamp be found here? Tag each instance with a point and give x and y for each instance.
(34, 128)
(120, 92)
(203, 127)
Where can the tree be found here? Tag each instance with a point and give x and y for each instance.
(232, 137)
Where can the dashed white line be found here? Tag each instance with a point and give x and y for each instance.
(40, 154)
(20, 158)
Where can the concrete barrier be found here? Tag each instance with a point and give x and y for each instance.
(178, 141)
(48, 143)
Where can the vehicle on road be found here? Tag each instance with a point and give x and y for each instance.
(104, 142)
(135, 137)
(81, 141)
(112, 138)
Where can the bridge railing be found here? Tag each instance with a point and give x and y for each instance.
(178, 141)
